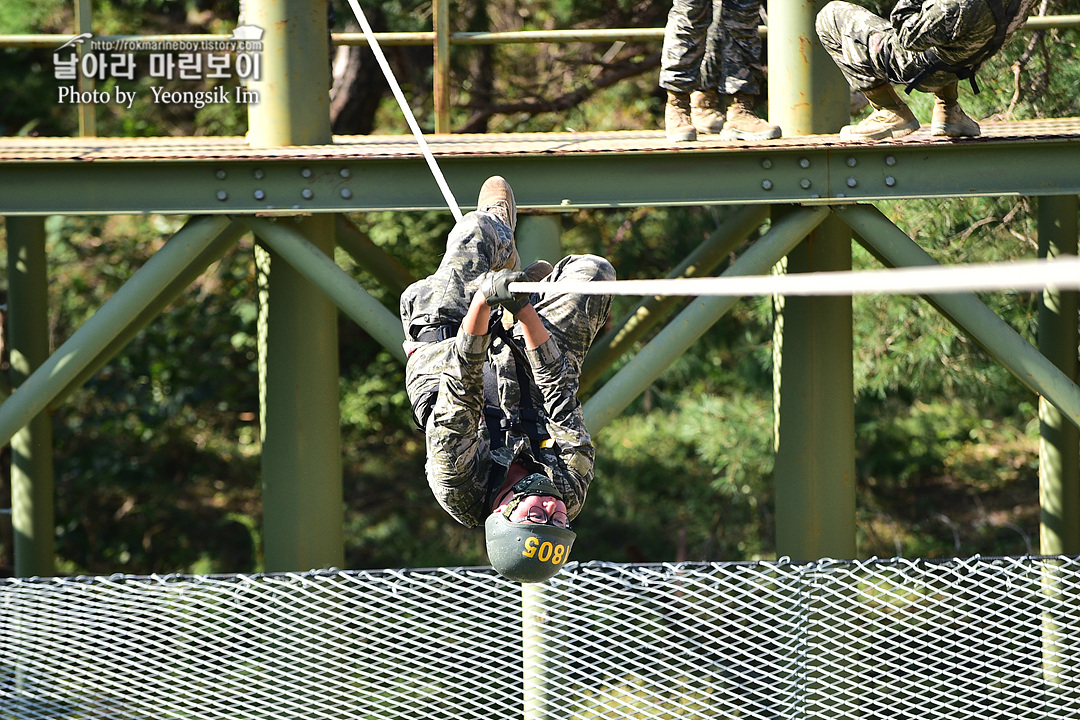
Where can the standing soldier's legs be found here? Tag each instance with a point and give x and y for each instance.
(741, 71)
(684, 44)
(707, 107)
(680, 63)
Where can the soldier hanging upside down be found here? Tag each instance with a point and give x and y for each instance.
(493, 378)
(926, 45)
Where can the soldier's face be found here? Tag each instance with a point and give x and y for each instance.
(536, 508)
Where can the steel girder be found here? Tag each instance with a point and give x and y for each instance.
(802, 174)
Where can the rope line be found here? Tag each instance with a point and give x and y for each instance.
(1062, 274)
(405, 109)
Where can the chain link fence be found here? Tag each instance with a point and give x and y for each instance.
(979, 638)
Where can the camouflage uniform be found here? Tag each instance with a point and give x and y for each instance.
(871, 51)
(713, 46)
(450, 381)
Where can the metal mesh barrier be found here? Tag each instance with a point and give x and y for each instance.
(981, 638)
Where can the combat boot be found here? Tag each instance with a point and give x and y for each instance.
(891, 117)
(497, 197)
(677, 123)
(743, 124)
(949, 118)
(707, 111)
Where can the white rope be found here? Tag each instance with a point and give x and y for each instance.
(405, 109)
(1062, 274)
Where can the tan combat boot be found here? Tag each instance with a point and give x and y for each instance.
(497, 197)
(891, 117)
(677, 122)
(949, 118)
(707, 111)
(743, 124)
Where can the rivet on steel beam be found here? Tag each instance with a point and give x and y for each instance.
(222, 195)
(307, 194)
(220, 174)
(345, 172)
(260, 195)
(766, 163)
(305, 173)
(890, 180)
(346, 193)
(890, 160)
(852, 162)
(805, 183)
(259, 174)
(804, 162)
(766, 184)
(852, 182)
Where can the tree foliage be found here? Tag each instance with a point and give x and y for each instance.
(157, 458)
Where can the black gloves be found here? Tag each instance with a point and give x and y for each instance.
(496, 286)
(496, 289)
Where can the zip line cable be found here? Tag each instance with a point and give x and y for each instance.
(405, 109)
(1062, 274)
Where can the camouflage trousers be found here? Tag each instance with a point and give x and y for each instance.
(450, 381)
(713, 45)
(867, 49)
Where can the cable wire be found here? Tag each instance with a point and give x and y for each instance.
(1062, 273)
(405, 109)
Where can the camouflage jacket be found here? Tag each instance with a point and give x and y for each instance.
(955, 30)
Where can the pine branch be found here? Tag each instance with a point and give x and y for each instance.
(536, 106)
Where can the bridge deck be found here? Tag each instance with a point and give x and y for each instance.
(549, 170)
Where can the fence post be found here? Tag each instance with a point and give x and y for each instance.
(87, 114)
(1059, 439)
(537, 684)
(441, 21)
(32, 514)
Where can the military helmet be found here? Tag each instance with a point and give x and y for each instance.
(527, 551)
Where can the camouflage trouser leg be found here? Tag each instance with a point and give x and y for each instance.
(866, 49)
(458, 446)
(732, 62)
(574, 320)
(477, 243)
(688, 22)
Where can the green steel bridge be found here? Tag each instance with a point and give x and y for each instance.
(289, 181)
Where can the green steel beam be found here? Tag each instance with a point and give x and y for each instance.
(32, 510)
(117, 314)
(87, 111)
(689, 325)
(652, 310)
(814, 439)
(371, 257)
(894, 248)
(546, 181)
(814, 415)
(538, 236)
(320, 270)
(303, 508)
(1059, 337)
